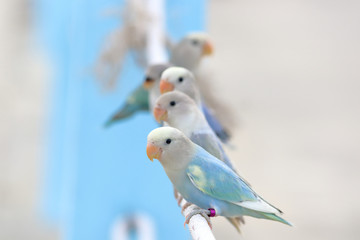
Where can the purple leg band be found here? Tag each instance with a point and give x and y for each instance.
(212, 212)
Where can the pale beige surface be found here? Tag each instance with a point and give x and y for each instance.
(291, 71)
(22, 103)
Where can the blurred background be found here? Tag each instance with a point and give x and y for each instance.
(289, 70)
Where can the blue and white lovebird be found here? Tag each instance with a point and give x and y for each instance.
(204, 180)
(181, 79)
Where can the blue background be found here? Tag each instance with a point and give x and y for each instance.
(94, 174)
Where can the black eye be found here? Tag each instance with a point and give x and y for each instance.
(148, 79)
(172, 103)
(195, 42)
(181, 79)
(168, 141)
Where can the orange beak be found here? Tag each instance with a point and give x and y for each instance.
(160, 114)
(207, 48)
(166, 86)
(153, 151)
(148, 84)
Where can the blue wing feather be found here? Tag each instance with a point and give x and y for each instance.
(214, 178)
(215, 124)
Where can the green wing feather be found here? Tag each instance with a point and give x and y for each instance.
(137, 101)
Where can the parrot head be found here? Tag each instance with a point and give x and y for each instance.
(168, 145)
(179, 79)
(178, 110)
(190, 51)
(199, 42)
(153, 74)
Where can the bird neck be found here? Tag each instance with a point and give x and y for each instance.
(194, 121)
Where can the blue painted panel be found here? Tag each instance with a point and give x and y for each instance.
(96, 174)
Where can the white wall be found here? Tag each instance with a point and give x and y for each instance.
(290, 70)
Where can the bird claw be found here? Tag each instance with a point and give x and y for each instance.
(187, 204)
(180, 198)
(202, 212)
(176, 193)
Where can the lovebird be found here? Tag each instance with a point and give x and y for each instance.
(204, 180)
(189, 51)
(187, 54)
(181, 79)
(140, 99)
(178, 110)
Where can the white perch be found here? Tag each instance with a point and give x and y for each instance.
(155, 49)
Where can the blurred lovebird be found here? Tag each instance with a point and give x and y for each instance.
(204, 180)
(178, 110)
(181, 79)
(189, 51)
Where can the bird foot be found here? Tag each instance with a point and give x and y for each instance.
(187, 204)
(205, 213)
(179, 199)
(176, 193)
